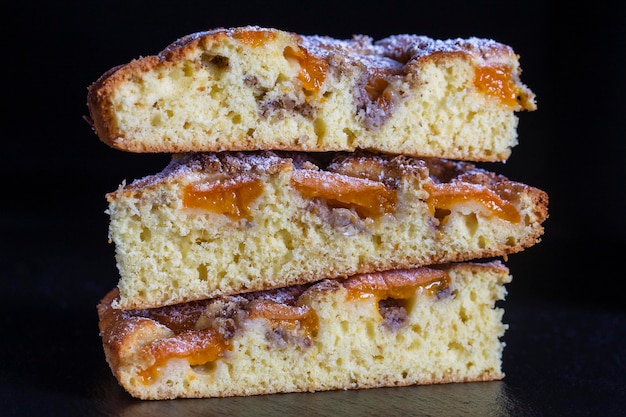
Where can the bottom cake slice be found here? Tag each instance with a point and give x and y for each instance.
(426, 325)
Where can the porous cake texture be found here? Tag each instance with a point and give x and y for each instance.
(395, 328)
(215, 224)
(322, 223)
(254, 88)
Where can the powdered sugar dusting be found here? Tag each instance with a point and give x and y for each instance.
(397, 50)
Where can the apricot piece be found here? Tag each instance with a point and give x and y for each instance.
(400, 284)
(231, 198)
(447, 196)
(196, 346)
(312, 69)
(496, 81)
(296, 318)
(369, 198)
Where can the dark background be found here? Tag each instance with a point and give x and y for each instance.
(55, 261)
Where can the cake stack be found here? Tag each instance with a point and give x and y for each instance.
(322, 223)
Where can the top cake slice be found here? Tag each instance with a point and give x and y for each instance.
(254, 88)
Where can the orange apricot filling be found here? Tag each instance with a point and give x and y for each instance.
(312, 69)
(376, 87)
(295, 318)
(377, 91)
(400, 284)
(254, 38)
(496, 81)
(369, 198)
(197, 347)
(448, 195)
(231, 198)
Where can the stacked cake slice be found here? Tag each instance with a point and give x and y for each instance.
(322, 224)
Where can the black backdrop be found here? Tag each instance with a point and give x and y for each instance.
(574, 146)
(55, 171)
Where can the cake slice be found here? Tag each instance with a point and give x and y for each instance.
(214, 224)
(254, 88)
(395, 328)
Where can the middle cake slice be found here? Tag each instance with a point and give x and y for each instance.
(215, 224)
